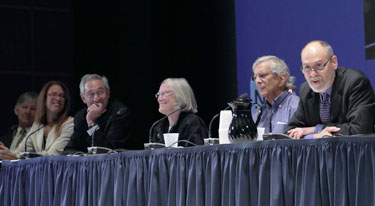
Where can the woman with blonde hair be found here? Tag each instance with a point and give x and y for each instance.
(176, 101)
(52, 126)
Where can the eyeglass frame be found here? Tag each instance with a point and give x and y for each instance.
(91, 94)
(320, 67)
(55, 95)
(162, 94)
(262, 76)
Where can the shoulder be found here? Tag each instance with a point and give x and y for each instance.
(293, 100)
(189, 117)
(348, 74)
(81, 113)
(69, 121)
(347, 78)
(118, 108)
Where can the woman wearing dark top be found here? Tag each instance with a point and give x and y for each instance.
(176, 94)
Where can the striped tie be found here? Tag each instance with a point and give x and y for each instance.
(325, 115)
(22, 135)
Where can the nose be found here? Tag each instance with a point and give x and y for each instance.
(313, 73)
(159, 98)
(96, 97)
(258, 80)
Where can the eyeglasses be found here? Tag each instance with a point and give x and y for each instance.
(91, 94)
(162, 94)
(55, 95)
(262, 76)
(319, 67)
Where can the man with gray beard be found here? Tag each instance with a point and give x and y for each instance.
(333, 100)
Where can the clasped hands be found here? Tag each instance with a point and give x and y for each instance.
(299, 132)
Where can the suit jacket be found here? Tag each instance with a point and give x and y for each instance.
(189, 126)
(114, 131)
(54, 144)
(7, 137)
(352, 104)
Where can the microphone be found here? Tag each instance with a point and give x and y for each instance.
(28, 136)
(242, 96)
(182, 106)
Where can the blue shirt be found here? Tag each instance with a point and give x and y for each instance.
(283, 108)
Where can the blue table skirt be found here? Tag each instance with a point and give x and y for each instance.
(331, 171)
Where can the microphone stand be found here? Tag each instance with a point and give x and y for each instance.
(26, 154)
(158, 145)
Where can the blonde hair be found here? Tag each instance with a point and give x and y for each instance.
(184, 94)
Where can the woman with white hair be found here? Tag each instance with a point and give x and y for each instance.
(176, 101)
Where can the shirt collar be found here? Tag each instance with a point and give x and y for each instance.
(278, 99)
(329, 91)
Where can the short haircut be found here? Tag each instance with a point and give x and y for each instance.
(325, 45)
(89, 77)
(26, 97)
(278, 68)
(183, 92)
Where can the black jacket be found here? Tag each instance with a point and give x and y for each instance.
(114, 130)
(189, 126)
(352, 104)
(7, 138)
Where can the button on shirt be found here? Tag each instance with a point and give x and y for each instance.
(283, 108)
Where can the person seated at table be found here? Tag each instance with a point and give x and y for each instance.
(104, 122)
(25, 111)
(333, 100)
(52, 127)
(272, 77)
(176, 101)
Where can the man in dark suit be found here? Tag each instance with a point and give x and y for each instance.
(333, 100)
(25, 111)
(104, 122)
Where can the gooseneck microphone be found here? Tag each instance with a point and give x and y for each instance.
(28, 136)
(182, 106)
(242, 96)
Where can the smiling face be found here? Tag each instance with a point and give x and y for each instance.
(269, 85)
(55, 101)
(25, 113)
(95, 92)
(166, 99)
(315, 56)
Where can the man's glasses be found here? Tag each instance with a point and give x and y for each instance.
(91, 94)
(162, 94)
(319, 67)
(261, 76)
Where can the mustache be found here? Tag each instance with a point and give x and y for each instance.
(315, 78)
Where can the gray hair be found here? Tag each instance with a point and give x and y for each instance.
(89, 77)
(326, 47)
(278, 68)
(183, 92)
(26, 97)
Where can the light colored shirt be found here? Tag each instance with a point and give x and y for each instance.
(274, 118)
(16, 138)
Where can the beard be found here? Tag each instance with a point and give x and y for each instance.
(322, 87)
